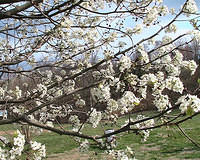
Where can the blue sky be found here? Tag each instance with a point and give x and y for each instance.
(183, 26)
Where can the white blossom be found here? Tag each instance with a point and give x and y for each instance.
(160, 76)
(163, 10)
(151, 16)
(143, 91)
(50, 124)
(75, 122)
(173, 70)
(80, 103)
(66, 23)
(132, 79)
(112, 105)
(102, 93)
(178, 58)
(143, 56)
(95, 117)
(172, 11)
(18, 145)
(196, 34)
(2, 92)
(39, 150)
(190, 7)
(189, 101)
(84, 146)
(128, 102)
(43, 89)
(162, 102)
(166, 39)
(191, 65)
(175, 84)
(125, 63)
(138, 29)
(171, 28)
(18, 92)
(144, 124)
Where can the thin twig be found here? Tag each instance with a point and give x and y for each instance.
(189, 138)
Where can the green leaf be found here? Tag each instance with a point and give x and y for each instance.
(189, 111)
(198, 80)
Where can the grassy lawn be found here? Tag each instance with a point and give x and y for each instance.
(163, 143)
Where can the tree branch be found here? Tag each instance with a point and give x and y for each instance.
(61, 132)
(12, 1)
(190, 139)
(17, 9)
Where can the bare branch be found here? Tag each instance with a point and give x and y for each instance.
(17, 9)
(61, 132)
(12, 1)
(189, 138)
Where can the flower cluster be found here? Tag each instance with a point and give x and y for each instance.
(43, 89)
(138, 29)
(128, 102)
(151, 16)
(148, 79)
(142, 125)
(171, 28)
(84, 146)
(112, 105)
(162, 102)
(102, 93)
(142, 54)
(126, 154)
(175, 84)
(18, 146)
(2, 92)
(191, 65)
(190, 7)
(125, 63)
(173, 70)
(132, 79)
(80, 103)
(75, 122)
(178, 58)
(39, 150)
(95, 117)
(18, 92)
(189, 103)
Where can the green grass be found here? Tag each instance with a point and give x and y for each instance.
(56, 143)
(7, 127)
(167, 143)
(163, 143)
